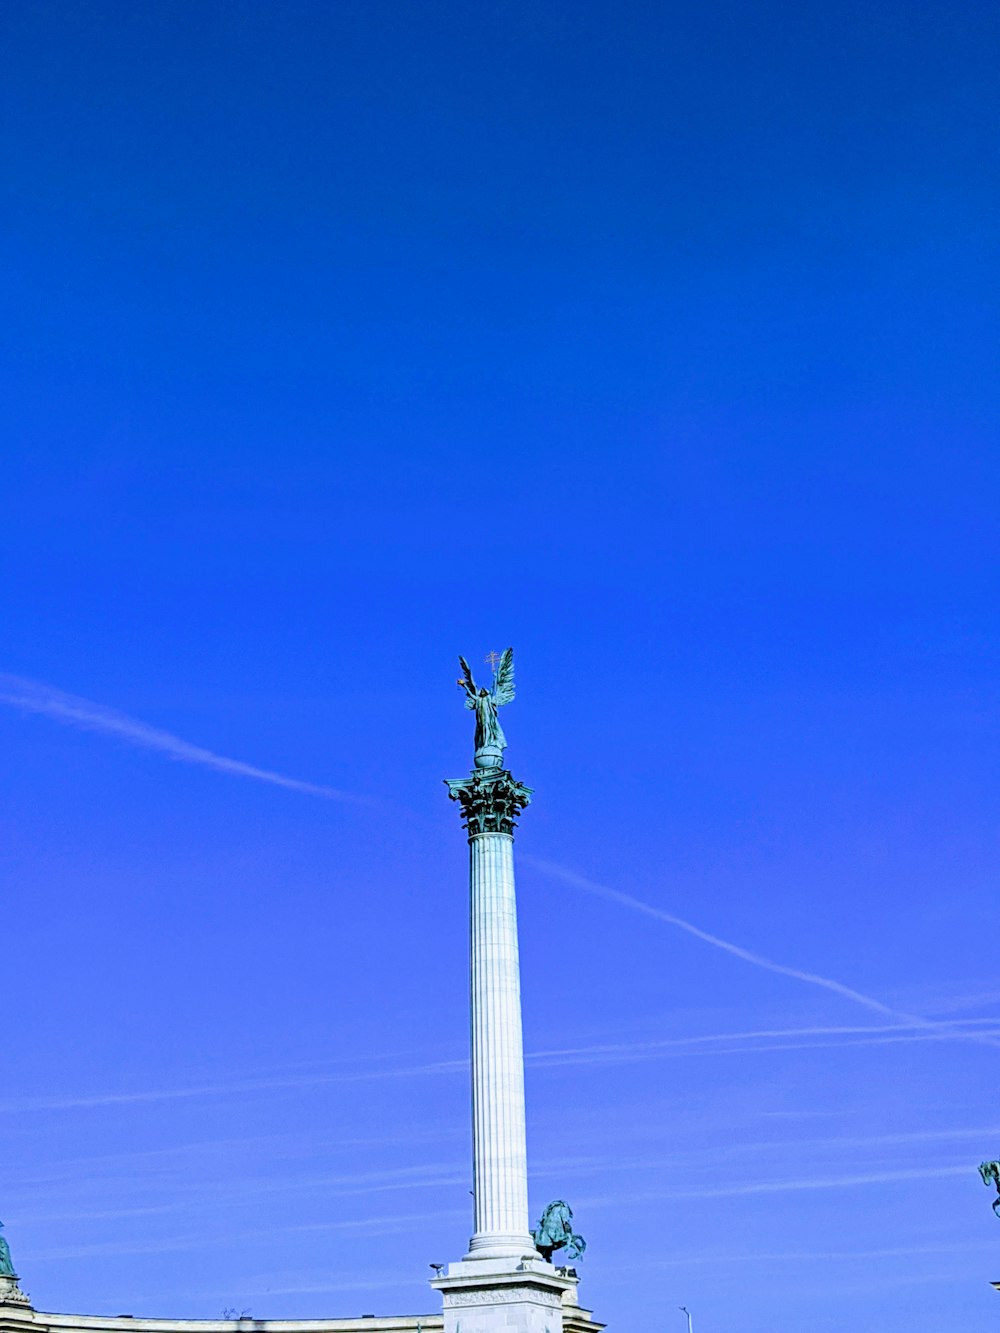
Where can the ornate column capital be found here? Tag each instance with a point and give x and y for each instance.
(491, 800)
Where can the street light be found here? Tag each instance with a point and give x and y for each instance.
(688, 1313)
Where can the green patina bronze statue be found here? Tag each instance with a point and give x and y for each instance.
(490, 797)
(490, 740)
(990, 1172)
(6, 1263)
(555, 1232)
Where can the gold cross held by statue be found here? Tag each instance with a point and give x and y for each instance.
(492, 659)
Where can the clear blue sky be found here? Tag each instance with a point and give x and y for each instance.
(657, 340)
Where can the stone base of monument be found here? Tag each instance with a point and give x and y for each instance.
(10, 1292)
(507, 1296)
(15, 1306)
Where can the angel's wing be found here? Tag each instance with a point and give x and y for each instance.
(467, 682)
(503, 686)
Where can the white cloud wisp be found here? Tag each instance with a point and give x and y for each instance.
(34, 697)
(942, 1028)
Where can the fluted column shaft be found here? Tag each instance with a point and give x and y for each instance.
(500, 1167)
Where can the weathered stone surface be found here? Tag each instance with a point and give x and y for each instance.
(529, 1297)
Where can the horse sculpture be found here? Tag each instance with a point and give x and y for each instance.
(990, 1172)
(555, 1232)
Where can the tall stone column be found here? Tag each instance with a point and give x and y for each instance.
(502, 1285)
(499, 1152)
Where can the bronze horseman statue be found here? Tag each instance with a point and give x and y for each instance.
(990, 1172)
(555, 1232)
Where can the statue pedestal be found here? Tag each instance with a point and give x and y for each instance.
(504, 1296)
(11, 1293)
(498, 1296)
(575, 1319)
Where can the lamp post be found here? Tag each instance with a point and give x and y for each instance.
(688, 1313)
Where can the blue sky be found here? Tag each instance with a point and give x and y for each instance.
(658, 341)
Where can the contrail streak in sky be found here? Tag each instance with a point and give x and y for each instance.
(759, 1042)
(757, 960)
(34, 697)
(782, 1186)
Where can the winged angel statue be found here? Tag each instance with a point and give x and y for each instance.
(490, 740)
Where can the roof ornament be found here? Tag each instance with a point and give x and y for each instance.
(10, 1292)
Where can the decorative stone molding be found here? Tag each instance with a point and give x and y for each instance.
(11, 1293)
(20, 1319)
(503, 1296)
(491, 800)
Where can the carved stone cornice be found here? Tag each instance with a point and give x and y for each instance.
(534, 1295)
(491, 800)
